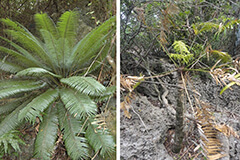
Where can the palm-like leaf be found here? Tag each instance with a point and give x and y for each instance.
(87, 47)
(47, 134)
(100, 139)
(16, 83)
(9, 67)
(79, 105)
(76, 146)
(23, 52)
(8, 107)
(38, 105)
(45, 23)
(11, 121)
(86, 85)
(6, 92)
(67, 26)
(17, 56)
(36, 72)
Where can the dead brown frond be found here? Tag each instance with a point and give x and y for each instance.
(209, 141)
(226, 130)
(221, 75)
(129, 83)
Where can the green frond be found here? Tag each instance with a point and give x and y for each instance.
(183, 59)
(86, 85)
(79, 105)
(12, 25)
(9, 67)
(8, 107)
(11, 121)
(36, 72)
(43, 22)
(32, 45)
(47, 134)
(180, 47)
(67, 26)
(100, 139)
(17, 27)
(19, 57)
(224, 56)
(106, 94)
(102, 53)
(11, 138)
(64, 52)
(15, 83)
(6, 92)
(92, 42)
(204, 27)
(51, 46)
(76, 146)
(24, 52)
(38, 105)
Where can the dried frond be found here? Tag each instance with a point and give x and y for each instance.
(227, 130)
(209, 141)
(130, 82)
(125, 107)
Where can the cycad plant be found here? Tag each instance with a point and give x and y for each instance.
(51, 83)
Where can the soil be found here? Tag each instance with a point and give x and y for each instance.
(148, 134)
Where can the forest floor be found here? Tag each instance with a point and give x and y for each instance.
(149, 133)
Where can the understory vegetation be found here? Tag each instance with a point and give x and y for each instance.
(50, 88)
(198, 39)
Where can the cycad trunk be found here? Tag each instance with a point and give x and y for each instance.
(179, 117)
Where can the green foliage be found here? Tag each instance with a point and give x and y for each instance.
(50, 82)
(95, 135)
(10, 140)
(184, 55)
(224, 56)
(47, 134)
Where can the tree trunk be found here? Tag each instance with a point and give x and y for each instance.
(179, 117)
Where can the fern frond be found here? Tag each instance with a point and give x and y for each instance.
(79, 105)
(36, 72)
(100, 139)
(86, 85)
(6, 108)
(6, 92)
(224, 56)
(12, 25)
(47, 134)
(64, 52)
(102, 54)
(20, 58)
(38, 105)
(11, 138)
(15, 83)
(183, 59)
(30, 44)
(92, 43)
(11, 121)
(51, 46)
(24, 52)
(76, 146)
(43, 22)
(10, 67)
(67, 26)
(204, 27)
(180, 47)
(106, 94)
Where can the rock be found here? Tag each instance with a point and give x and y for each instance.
(140, 142)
